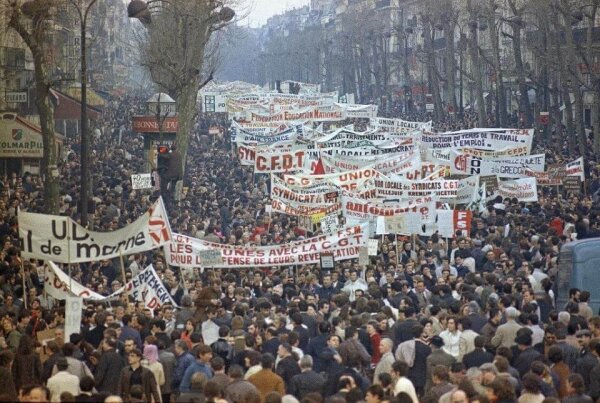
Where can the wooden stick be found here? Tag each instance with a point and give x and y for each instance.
(23, 281)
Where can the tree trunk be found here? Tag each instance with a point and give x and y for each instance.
(434, 83)
(501, 94)
(186, 113)
(450, 65)
(476, 73)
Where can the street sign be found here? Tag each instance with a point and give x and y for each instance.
(15, 97)
(149, 124)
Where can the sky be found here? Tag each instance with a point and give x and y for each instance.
(261, 10)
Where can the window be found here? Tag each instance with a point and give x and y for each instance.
(13, 58)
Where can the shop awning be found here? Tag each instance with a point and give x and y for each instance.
(69, 108)
(20, 138)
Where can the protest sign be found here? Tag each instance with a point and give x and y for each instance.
(412, 189)
(395, 224)
(398, 126)
(363, 256)
(350, 180)
(141, 181)
(61, 239)
(344, 244)
(373, 245)
(210, 258)
(576, 168)
(329, 223)
(572, 184)
(278, 160)
(280, 206)
(73, 308)
(524, 190)
(490, 181)
(327, 261)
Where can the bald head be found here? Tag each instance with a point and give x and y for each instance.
(459, 396)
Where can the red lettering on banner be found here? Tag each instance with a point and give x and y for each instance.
(462, 220)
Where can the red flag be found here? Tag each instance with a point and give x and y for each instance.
(319, 168)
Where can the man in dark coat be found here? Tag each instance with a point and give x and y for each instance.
(437, 357)
(308, 381)
(109, 368)
(287, 367)
(208, 297)
(136, 374)
(318, 344)
(528, 354)
(479, 356)
(271, 343)
(403, 330)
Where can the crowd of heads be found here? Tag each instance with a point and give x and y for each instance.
(338, 335)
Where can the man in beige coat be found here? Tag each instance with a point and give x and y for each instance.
(506, 333)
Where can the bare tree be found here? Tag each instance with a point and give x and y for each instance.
(179, 51)
(32, 21)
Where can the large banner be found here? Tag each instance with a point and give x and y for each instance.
(524, 190)
(278, 160)
(60, 239)
(360, 209)
(148, 288)
(345, 244)
(440, 188)
(351, 180)
(398, 126)
(510, 167)
(485, 139)
(395, 163)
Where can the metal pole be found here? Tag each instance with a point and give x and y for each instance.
(85, 140)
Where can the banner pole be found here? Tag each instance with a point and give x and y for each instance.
(69, 256)
(396, 247)
(123, 274)
(23, 281)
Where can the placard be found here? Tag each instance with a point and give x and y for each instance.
(491, 182)
(395, 224)
(572, 184)
(329, 223)
(363, 256)
(373, 245)
(210, 258)
(327, 260)
(141, 181)
(73, 308)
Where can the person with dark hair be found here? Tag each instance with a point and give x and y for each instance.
(76, 367)
(108, 368)
(287, 367)
(531, 389)
(158, 329)
(501, 391)
(266, 380)
(196, 392)
(440, 378)
(27, 367)
(437, 357)
(136, 374)
(86, 390)
(317, 344)
(352, 349)
(222, 348)
(479, 356)
(7, 385)
(34, 393)
(403, 329)
(54, 352)
(129, 332)
(238, 388)
(527, 353)
(576, 388)
(559, 369)
(202, 364)
(62, 381)
(401, 383)
(167, 359)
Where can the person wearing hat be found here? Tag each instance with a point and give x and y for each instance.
(62, 381)
(527, 354)
(437, 357)
(136, 374)
(506, 333)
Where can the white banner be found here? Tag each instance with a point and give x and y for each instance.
(485, 139)
(148, 288)
(61, 239)
(447, 189)
(576, 168)
(59, 285)
(360, 209)
(303, 210)
(350, 180)
(513, 167)
(278, 160)
(344, 244)
(524, 190)
(398, 126)
(73, 309)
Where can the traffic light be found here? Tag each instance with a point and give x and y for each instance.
(162, 159)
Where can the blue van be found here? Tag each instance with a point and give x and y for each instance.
(579, 267)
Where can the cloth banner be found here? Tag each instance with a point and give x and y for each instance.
(60, 239)
(350, 180)
(344, 244)
(484, 139)
(303, 210)
(447, 189)
(524, 190)
(278, 160)
(398, 126)
(513, 167)
(59, 285)
(147, 288)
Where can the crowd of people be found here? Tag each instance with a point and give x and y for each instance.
(470, 319)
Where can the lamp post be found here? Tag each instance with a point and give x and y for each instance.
(85, 138)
